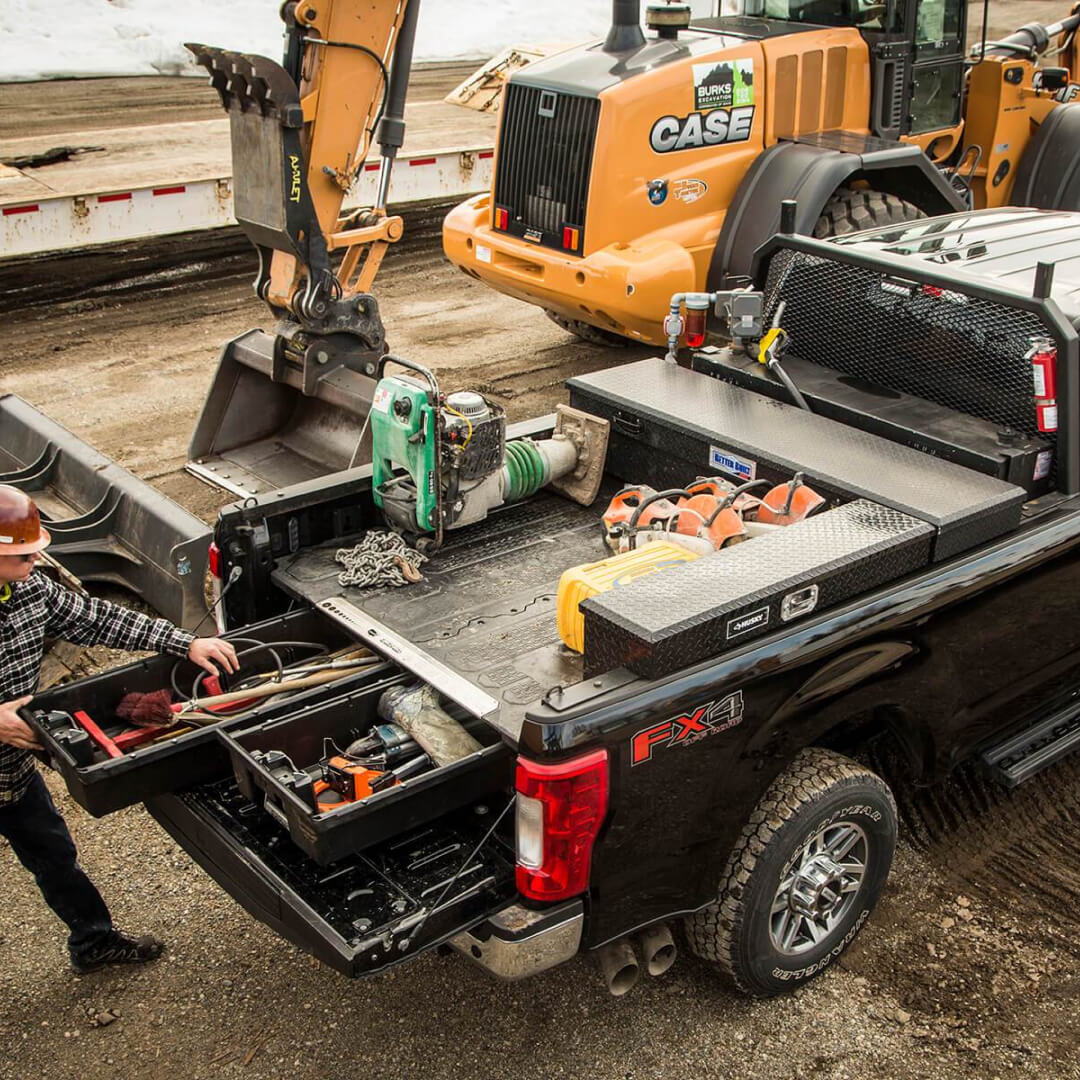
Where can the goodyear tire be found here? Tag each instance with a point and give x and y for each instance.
(803, 876)
(853, 209)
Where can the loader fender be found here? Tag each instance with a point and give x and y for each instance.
(1049, 174)
(809, 173)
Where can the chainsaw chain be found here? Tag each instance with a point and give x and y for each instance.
(381, 558)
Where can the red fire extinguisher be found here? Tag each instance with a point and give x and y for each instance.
(1043, 357)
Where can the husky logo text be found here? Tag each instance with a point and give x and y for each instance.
(689, 727)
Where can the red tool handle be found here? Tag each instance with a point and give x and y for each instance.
(95, 733)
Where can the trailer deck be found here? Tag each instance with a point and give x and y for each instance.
(128, 179)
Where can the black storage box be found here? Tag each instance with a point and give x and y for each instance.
(993, 449)
(669, 424)
(662, 622)
(329, 836)
(180, 762)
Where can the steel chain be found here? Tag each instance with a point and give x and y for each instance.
(381, 558)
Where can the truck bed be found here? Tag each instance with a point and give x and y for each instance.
(486, 606)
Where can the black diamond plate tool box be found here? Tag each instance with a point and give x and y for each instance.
(670, 425)
(660, 623)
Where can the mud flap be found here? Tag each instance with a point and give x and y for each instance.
(106, 524)
(266, 425)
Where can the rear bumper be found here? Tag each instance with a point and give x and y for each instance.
(518, 942)
(625, 288)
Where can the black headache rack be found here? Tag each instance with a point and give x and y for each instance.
(878, 323)
(367, 911)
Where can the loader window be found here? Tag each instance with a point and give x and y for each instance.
(864, 14)
(937, 20)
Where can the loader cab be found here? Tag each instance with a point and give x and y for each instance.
(916, 54)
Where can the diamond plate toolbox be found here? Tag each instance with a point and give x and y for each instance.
(663, 622)
(669, 425)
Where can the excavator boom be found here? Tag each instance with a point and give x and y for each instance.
(301, 132)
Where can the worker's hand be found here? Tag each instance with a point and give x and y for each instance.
(207, 652)
(13, 730)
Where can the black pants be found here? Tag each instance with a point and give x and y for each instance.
(40, 838)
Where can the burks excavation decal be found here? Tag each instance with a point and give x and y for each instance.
(723, 84)
(724, 109)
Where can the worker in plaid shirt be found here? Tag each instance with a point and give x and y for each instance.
(32, 607)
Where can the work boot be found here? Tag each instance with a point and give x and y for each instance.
(117, 948)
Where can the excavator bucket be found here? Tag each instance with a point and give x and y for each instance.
(106, 525)
(265, 425)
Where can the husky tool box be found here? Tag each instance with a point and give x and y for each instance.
(325, 729)
(667, 422)
(702, 608)
(102, 784)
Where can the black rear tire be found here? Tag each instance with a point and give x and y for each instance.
(790, 860)
(854, 209)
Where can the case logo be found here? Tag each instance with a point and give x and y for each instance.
(688, 728)
(701, 129)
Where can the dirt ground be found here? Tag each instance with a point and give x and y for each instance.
(968, 968)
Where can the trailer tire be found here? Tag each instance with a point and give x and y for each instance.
(853, 209)
(792, 852)
(594, 335)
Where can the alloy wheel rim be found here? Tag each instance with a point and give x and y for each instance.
(819, 888)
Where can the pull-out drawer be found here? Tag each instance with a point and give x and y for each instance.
(308, 738)
(367, 911)
(101, 783)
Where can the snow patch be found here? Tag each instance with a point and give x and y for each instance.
(53, 39)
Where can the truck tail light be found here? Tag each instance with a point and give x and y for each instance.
(1043, 357)
(214, 560)
(502, 219)
(560, 809)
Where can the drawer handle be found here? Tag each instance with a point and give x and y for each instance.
(628, 425)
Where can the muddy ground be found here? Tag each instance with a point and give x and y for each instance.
(969, 966)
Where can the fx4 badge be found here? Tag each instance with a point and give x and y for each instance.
(690, 727)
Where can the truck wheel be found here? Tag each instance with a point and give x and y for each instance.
(587, 332)
(802, 878)
(852, 209)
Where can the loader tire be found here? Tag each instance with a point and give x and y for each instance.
(802, 878)
(587, 332)
(853, 209)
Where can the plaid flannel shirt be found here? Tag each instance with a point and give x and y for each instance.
(39, 608)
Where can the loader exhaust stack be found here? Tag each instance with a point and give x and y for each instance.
(625, 33)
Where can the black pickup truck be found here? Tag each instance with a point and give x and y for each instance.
(701, 758)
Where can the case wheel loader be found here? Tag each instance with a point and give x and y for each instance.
(639, 167)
